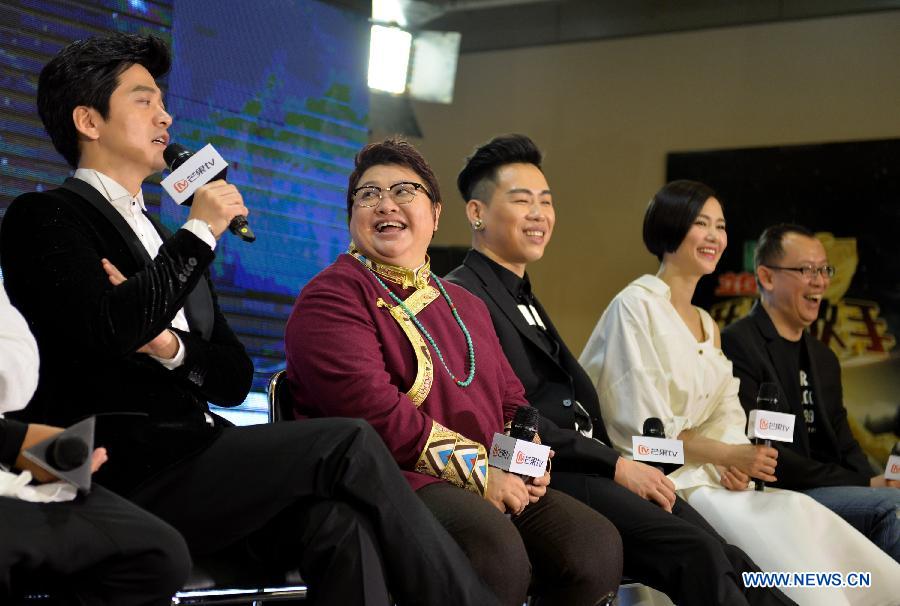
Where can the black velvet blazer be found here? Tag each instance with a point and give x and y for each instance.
(88, 331)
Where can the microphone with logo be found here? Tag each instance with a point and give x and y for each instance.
(190, 171)
(516, 453)
(892, 469)
(764, 424)
(67, 455)
(654, 449)
(766, 399)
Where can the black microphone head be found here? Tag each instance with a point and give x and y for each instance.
(653, 428)
(896, 450)
(524, 423)
(175, 155)
(67, 453)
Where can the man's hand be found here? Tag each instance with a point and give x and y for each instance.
(216, 204)
(36, 434)
(883, 482)
(165, 344)
(645, 481)
(754, 460)
(506, 491)
(733, 478)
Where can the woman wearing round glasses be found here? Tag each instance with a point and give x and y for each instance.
(653, 354)
(376, 335)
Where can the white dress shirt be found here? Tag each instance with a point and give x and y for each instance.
(18, 358)
(132, 210)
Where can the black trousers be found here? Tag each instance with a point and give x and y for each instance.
(566, 553)
(324, 495)
(96, 550)
(678, 553)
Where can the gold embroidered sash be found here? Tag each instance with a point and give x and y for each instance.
(416, 302)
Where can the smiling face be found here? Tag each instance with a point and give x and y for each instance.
(396, 234)
(704, 243)
(128, 144)
(791, 300)
(518, 218)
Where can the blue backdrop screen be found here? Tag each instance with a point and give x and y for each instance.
(277, 87)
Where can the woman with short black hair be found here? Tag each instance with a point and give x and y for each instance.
(654, 354)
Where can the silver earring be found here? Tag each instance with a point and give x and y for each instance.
(478, 225)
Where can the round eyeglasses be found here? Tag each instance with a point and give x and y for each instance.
(808, 271)
(403, 192)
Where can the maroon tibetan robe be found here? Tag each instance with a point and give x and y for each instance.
(348, 357)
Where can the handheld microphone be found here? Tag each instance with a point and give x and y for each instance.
(67, 452)
(175, 155)
(524, 423)
(655, 450)
(516, 453)
(766, 399)
(892, 469)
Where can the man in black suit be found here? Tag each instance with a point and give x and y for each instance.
(771, 345)
(667, 545)
(94, 548)
(127, 323)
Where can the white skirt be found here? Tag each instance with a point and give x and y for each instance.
(783, 530)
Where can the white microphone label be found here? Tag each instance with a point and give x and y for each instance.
(768, 425)
(892, 470)
(657, 450)
(518, 456)
(197, 171)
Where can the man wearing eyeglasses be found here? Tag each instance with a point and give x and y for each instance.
(772, 345)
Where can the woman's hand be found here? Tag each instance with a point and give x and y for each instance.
(537, 487)
(507, 492)
(733, 478)
(754, 460)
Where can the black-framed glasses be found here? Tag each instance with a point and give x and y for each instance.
(403, 192)
(808, 271)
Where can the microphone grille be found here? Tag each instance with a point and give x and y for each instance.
(524, 424)
(653, 428)
(67, 453)
(175, 154)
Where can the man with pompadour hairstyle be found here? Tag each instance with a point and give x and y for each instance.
(667, 544)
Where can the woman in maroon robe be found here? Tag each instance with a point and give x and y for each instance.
(377, 336)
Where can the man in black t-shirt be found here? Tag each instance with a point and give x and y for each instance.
(772, 345)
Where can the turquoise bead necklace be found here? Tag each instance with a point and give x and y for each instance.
(425, 333)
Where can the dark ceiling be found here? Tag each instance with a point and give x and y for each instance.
(500, 24)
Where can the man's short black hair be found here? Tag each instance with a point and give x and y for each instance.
(86, 72)
(671, 213)
(769, 247)
(484, 163)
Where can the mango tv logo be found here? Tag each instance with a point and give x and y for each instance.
(895, 468)
(656, 452)
(520, 457)
(765, 425)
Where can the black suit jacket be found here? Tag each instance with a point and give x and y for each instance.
(88, 331)
(750, 344)
(549, 386)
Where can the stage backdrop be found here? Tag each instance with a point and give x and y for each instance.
(849, 193)
(279, 88)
